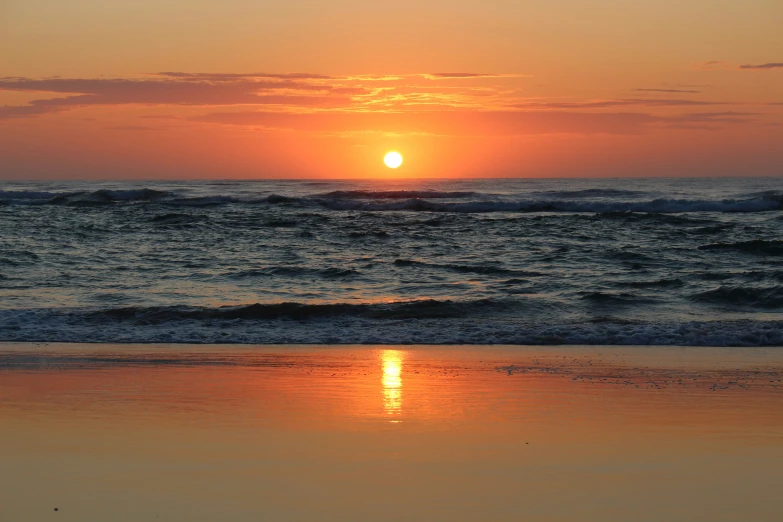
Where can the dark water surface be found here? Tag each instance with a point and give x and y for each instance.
(686, 261)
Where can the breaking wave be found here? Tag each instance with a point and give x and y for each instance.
(414, 201)
(419, 322)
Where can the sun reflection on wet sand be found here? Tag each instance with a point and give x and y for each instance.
(391, 362)
(490, 433)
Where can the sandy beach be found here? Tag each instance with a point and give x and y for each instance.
(205, 433)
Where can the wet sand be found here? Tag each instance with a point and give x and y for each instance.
(207, 433)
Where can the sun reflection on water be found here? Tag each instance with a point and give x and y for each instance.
(391, 361)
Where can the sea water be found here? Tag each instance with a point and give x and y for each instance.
(508, 261)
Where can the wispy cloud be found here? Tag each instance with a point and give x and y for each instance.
(718, 65)
(235, 76)
(217, 90)
(444, 123)
(604, 104)
(716, 117)
(288, 91)
(688, 91)
(23, 111)
(468, 75)
(763, 66)
(474, 123)
(447, 75)
(134, 128)
(343, 105)
(713, 65)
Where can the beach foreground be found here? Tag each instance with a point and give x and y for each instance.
(207, 433)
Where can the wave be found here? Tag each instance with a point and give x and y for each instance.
(750, 297)
(715, 229)
(775, 275)
(416, 201)
(642, 217)
(107, 197)
(22, 195)
(659, 283)
(760, 247)
(606, 298)
(19, 258)
(293, 271)
(84, 198)
(658, 206)
(206, 201)
(396, 194)
(280, 223)
(413, 201)
(592, 193)
(368, 233)
(466, 269)
(178, 220)
(420, 322)
(421, 309)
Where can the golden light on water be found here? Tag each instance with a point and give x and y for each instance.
(391, 362)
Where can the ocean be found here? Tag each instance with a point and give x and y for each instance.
(497, 261)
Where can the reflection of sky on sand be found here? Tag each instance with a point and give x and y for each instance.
(306, 433)
(391, 361)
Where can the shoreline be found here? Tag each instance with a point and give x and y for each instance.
(689, 366)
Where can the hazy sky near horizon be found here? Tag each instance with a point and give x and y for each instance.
(310, 88)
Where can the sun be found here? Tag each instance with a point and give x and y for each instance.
(393, 160)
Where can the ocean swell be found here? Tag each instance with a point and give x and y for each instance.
(661, 206)
(412, 201)
(396, 194)
(752, 297)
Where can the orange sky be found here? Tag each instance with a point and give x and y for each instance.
(465, 88)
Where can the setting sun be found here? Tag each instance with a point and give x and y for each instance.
(393, 160)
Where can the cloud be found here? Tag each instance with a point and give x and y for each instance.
(726, 116)
(710, 66)
(763, 66)
(23, 111)
(715, 65)
(708, 120)
(468, 123)
(172, 91)
(458, 75)
(236, 76)
(321, 104)
(377, 77)
(461, 75)
(289, 91)
(688, 91)
(132, 128)
(603, 104)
